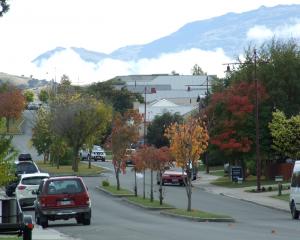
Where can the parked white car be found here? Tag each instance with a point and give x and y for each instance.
(28, 183)
(98, 153)
(295, 191)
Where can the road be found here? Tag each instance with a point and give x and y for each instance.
(114, 219)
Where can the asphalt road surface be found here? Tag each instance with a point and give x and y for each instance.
(114, 219)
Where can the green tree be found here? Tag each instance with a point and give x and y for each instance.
(156, 129)
(76, 119)
(197, 70)
(6, 158)
(29, 96)
(42, 134)
(285, 134)
(44, 96)
(4, 7)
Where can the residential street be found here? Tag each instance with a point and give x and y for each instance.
(114, 219)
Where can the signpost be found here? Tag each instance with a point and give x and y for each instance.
(279, 179)
(236, 173)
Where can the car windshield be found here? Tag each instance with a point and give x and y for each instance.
(65, 186)
(32, 180)
(26, 168)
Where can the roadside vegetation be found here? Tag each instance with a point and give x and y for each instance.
(83, 169)
(284, 197)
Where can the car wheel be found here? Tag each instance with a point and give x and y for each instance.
(37, 218)
(295, 213)
(79, 219)
(43, 221)
(86, 221)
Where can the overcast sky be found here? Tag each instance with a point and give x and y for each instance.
(32, 27)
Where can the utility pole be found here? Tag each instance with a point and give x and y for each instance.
(257, 133)
(206, 154)
(258, 160)
(145, 114)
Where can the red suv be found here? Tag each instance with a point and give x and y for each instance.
(62, 198)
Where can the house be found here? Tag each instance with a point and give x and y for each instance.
(180, 89)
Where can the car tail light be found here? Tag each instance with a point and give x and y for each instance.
(86, 199)
(21, 187)
(43, 201)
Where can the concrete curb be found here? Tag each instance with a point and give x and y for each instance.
(197, 219)
(146, 207)
(114, 195)
(257, 203)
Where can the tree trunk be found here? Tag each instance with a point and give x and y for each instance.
(160, 189)
(90, 160)
(76, 159)
(151, 186)
(118, 179)
(135, 183)
(189, 194)
(144, 185)
(7, 124)
(207, 162)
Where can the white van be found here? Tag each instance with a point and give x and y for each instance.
(295, 191)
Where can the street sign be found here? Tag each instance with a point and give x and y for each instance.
(236, 173)
(278, 178)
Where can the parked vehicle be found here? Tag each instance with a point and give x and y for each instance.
(98, 153)
(27, 184)
(21, 167)
(62, 198)
(172, 177)
(128, 155)
(33, 106)
(12, 219)
(84, 154)
(295, 191)
(24, 157)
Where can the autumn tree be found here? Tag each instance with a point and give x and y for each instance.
(187, 142)
(12, 103)
(233, 110)
(76, 119)
(125, 132)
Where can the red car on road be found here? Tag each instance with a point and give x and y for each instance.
(172, 177)
(62, 198)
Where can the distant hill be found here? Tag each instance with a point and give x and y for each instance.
(228, 32)
(22, 82)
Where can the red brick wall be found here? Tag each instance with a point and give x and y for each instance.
(282, 169)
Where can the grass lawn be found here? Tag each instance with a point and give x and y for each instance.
(113, 190)
(13, 126)
(146, 202)
(10, 238)
(83, 169)
(250, 182)
(218, 173)
(196, 213)
(284, 197)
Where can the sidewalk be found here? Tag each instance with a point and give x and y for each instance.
(264, 199)
(39, 233)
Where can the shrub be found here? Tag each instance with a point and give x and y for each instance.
(263, 189)
(270, 188)
(105, 183)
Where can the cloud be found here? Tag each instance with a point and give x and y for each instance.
(81, 72)
(261, 33)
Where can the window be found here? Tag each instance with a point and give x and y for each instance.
(32, 180)
(65, 186)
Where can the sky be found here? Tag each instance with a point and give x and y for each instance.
(33, 27)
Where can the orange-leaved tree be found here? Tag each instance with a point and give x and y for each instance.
(187, 142)
(154, 159)
(12, 103)
(124, 133)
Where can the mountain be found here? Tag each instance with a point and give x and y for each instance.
(21, 81)
(228, 32)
